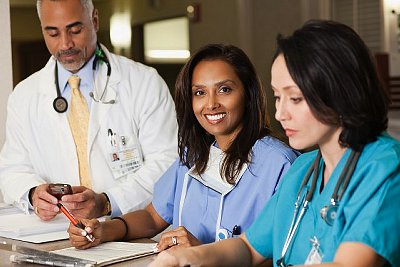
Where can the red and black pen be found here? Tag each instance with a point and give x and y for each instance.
(74, 221)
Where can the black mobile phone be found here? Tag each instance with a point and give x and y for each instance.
(59, 190)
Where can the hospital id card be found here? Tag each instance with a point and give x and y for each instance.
(126, 161)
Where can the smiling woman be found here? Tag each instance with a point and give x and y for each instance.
(227, 159)
(218, 100)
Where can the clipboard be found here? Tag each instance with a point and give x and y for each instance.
(101, 255)
(31, 255)
(110, 252)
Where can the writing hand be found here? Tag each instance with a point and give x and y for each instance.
(77, 236)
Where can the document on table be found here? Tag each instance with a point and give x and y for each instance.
(31, 229)
(6, 209)
(110, 252)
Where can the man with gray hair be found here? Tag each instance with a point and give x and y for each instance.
(66, 123)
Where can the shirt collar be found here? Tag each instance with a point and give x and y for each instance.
(85, 73)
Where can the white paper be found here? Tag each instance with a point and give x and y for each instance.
(7, 209)
(110, 252)
(44, 237)
(30, 228)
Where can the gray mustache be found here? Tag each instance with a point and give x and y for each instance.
(68, 52)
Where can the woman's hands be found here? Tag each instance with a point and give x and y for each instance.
(180, 257)
(78, 238)
(179, 237)
(229, 252)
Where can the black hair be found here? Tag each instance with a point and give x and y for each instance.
(335, 71)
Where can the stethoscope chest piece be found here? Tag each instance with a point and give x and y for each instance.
(328, 213)
(60, 104)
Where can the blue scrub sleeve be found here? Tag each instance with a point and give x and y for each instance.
(371, 217)
(386, 241)
(259, 234)
(164, 193)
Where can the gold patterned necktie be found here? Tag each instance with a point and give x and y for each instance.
(78, 119)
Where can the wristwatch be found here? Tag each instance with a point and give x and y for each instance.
(107, 206)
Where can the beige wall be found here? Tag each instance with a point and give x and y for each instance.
(271, 20)
(6, 65)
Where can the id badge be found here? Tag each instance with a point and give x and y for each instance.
(124, 158)
(315, 255)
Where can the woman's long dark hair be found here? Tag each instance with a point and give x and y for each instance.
(193, 141)
(336, 74)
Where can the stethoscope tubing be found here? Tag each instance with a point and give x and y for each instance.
(314, 169)
(342, 183)
(60, 104)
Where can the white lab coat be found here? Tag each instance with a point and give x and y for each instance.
(39, 146)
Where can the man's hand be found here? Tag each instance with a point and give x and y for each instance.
(85, 203)
(44, 204)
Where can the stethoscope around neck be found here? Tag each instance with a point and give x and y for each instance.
(220, 232)
(60, 104)
(328, 213)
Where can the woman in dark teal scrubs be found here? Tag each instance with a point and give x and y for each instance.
(328, 95)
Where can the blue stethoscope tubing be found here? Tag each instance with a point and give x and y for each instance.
(60, 104)
(343, 180)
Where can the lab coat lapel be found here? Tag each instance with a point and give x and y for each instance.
(99, 111)
(47, 85)
(47, 88)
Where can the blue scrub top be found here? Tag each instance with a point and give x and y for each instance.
(270, 161)
(368, 212)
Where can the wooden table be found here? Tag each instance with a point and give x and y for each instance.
(5, 255)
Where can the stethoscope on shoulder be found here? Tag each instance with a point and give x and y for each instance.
(328, 213)
(60, 104)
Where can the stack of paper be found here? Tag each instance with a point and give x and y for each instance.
(30, 228)
(6, 209)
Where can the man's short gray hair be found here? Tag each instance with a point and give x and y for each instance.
(87, 5)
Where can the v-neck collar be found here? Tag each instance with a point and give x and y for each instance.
(333, 179)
